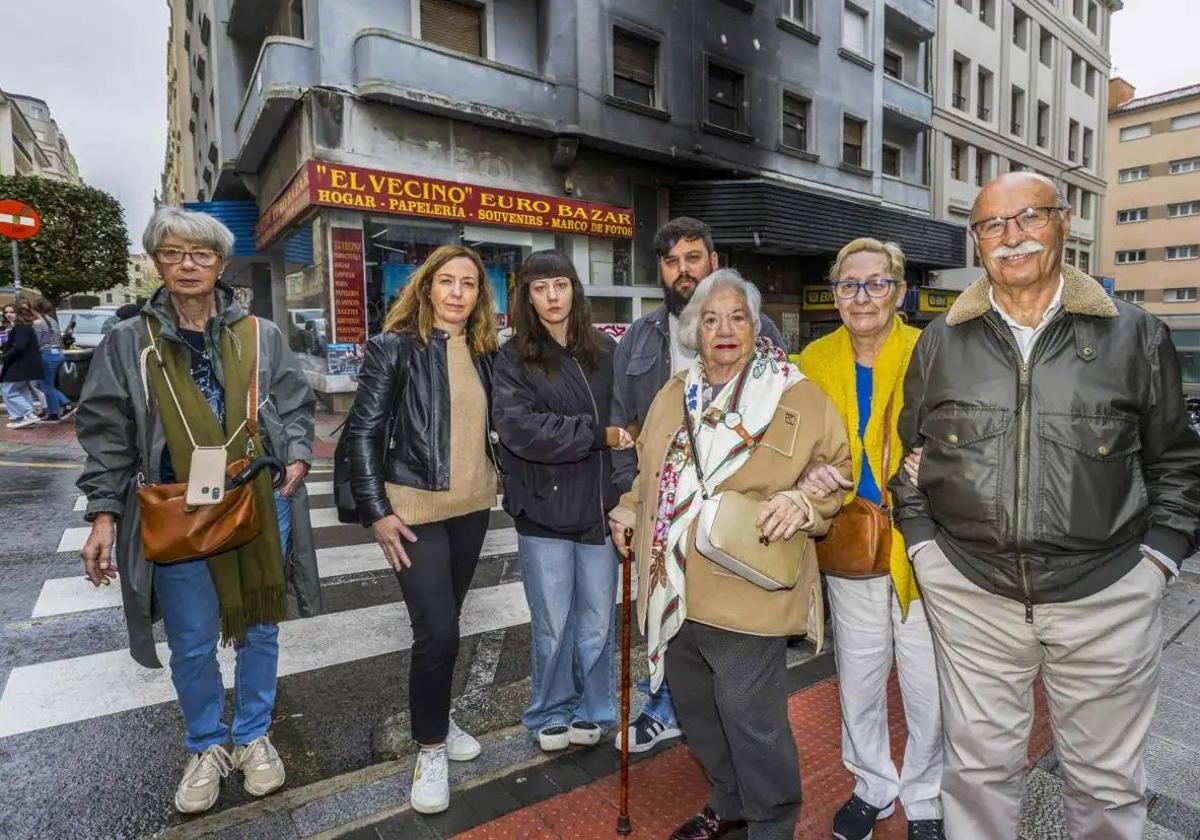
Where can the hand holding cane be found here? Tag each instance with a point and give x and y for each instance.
(623, 825)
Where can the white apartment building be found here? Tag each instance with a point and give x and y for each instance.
(1021, 85)
(38, 146)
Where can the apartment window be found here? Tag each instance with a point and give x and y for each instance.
(725, 98)
(962, 68)
(1016, 117)
(893, 65)
(1136, 173)
(1072, 140)
(1134, 256)
(796, 113)
(635, 63)
(796, 11)
(1069, 256)
(108, 298)
(453, 25)
(1093, 17)
(1137, 214)
(296, 18)
(1183, 252)
(1043, 124)
(983, 167)
(1133, 295)
(1046, 48)
(1090, 82)
(1179, 295)
(1076, 71)
(1089, 140)
(1020, 33)
(890, 160)
(966, 4)
(1183, 208)
(1134, 132)
(1184, 166)
(854, 29)
(1085, 262)
(958, 160)
(201, 68)
(1085, 204)
(1077, 9)
(853, 132)
(987, 12)
(1185, 121)
(983, 108)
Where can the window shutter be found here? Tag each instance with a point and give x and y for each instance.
(633, 58)
(454, 25)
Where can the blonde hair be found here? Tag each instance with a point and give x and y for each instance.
(890, 250)
(413, 310)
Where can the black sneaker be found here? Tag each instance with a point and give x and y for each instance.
(645, 732)
(69, 409)
(856, 820)
(926, 830)
(706, 826)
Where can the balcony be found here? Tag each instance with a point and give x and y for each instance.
(909, 106)
(286, 67)
(249, 19)
(395, 68)
(905, 194)
(918, 17)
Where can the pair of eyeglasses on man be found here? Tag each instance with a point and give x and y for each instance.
(1031, 218)
(201, 256)
(876, 287)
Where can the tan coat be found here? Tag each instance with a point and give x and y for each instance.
(806, 427)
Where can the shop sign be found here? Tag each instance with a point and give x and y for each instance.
(377, 191)
(818, 298)
(347, 286)
(934, 300)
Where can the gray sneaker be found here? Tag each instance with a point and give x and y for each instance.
(201, 782)
(262, 768)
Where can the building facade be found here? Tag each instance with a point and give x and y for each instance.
(31, 142)
(365, 133)
(1020, 85)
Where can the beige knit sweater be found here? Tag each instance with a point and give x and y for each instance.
(472, 475)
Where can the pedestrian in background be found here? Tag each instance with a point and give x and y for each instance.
(127, 416)
(739, 418)
(20, 367)
(861, 367)
(1058, 491)
(6, 322)
(424, 478)
(49, 334)
(649, 354)
(552, 397)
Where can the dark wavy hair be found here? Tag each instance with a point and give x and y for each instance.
(530, 336)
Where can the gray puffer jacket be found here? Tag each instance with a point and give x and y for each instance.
(123, 436)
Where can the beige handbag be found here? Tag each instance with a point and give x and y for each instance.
(725, 534)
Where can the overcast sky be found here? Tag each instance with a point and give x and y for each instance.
(100, 64)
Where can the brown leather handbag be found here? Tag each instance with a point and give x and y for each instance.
(174, 531)
(859, 541)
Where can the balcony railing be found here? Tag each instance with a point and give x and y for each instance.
(984, 113)
(959, 101)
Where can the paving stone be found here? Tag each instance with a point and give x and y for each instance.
(1176, 722)
(1182, 658)
(1180, 685)
(1182, 601)
(1041, 808)
(1172, 769)
(1171, 814)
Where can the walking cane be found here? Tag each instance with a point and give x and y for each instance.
(623, 825)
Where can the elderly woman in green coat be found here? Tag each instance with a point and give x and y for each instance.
(136, 422)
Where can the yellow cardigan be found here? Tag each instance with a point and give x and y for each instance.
(829, 362)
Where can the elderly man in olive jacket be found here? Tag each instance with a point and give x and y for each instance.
(1057, 494)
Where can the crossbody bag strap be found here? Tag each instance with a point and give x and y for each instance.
(170, 388)
(887, 450)
(252, 396)
(687, 422)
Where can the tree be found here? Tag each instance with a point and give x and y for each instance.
(83, 245)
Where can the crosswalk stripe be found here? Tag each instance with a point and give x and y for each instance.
(315, 488)
(61, 596)
(69, 690)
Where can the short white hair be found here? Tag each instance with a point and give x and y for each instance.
(190, 226)
(722, 278)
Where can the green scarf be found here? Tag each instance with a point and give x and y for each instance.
(249, 580)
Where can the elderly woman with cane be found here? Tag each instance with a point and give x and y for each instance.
(734, 431)
(184, 386)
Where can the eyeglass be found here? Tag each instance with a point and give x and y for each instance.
(202, 257)
(1031, 218)
(876, 287)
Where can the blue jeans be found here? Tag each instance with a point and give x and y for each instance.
(56, 400)
(571, 588)
(191, 616)
(18, 400)
(658, 704)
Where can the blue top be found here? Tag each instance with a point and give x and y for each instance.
(205, 377)
(868, 487)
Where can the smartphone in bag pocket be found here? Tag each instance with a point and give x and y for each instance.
(206, 480)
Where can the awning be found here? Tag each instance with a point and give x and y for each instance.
(241, 217)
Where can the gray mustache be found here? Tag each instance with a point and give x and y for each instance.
(1024, 249)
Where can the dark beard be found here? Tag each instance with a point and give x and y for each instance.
(675, 300)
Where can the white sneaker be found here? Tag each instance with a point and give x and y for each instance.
(554, 738)
(459, 745)
(201, 782)
(261, 766)
(584, 733)
(431, 783)
(24, 422)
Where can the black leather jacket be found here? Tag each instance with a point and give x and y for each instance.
(398, 431)
(1041, 479)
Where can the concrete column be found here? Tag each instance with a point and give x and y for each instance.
(277, 291)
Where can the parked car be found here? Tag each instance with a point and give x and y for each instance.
(85, 326)
(314, 336)
(296, 321)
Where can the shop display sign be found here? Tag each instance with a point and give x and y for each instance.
(379, 191)
(347, 286)
(818, 298)
(934, 300)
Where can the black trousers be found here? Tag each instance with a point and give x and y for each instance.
(443, 558)
(730, 692)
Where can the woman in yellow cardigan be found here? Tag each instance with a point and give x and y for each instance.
(861, 368)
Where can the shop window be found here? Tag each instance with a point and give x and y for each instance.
(394, 250)
(611, 310)
(635, 61)
(452, 24)
(726, 102)
(610, 262)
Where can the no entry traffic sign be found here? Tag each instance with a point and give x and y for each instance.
(18, 220)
